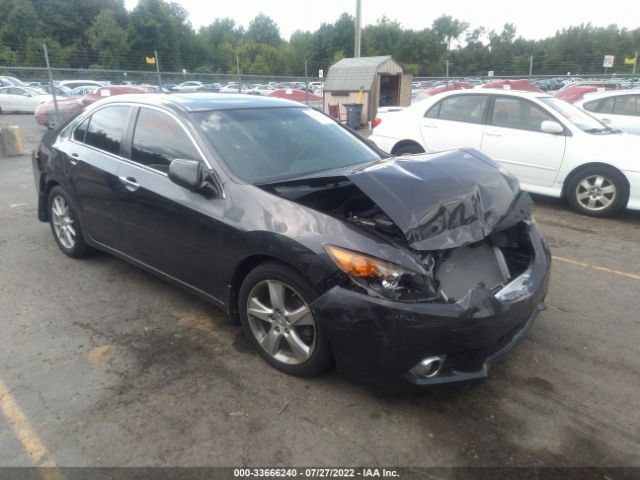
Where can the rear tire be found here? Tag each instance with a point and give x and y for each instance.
(65, 225)
(275, 315)
(597, 191)
(410, 149)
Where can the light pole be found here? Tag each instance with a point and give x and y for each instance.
(356, 49)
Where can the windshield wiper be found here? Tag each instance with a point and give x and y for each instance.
(602, 130)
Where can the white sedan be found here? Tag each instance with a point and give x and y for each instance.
(618, 109)
(22, 99)
(553, 147)
(190, 86)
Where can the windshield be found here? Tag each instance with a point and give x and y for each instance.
(264, 145)
(579, 118)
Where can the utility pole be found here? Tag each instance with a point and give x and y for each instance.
(356, 49)
(530, 65)
(305, 68)
(155, 55)
(446, 65)
(238, 70)
(635, 62)
(53, 89)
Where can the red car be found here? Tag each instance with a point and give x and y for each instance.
(521, 85)
(298, 96)
(576, 91)
(70, 107)
(445, 88)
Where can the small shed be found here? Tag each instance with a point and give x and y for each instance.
(370, 81)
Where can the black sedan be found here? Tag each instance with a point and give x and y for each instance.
(405, 271)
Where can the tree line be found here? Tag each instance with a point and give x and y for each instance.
(103, 34)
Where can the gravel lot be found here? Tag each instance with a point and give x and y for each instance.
(113, 367)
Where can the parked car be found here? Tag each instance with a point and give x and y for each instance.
(574, 93)
(298, 96)
(407, 271)
(21, 99)
(261, 90)
(70, 107)
(61, 91)
(82, 83)
(233, 88)
(521, 85)
(619, 109)
(553, 147)
(190, 86)
(6, 81)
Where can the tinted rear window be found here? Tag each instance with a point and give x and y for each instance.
(106, 127)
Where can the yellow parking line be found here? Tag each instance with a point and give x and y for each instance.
(27, 436)
(597, 267)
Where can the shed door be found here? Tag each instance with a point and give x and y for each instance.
(405, 90)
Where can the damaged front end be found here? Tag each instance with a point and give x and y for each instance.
(459, 214)
(477, 276)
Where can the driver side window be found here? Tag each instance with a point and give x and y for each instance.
(158, 139)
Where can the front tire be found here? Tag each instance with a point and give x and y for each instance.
(275, 315)
(64, 223)
(597, 191)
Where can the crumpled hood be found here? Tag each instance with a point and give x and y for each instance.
(444, 200)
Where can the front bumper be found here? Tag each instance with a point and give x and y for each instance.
(634, 190)
(377, 341)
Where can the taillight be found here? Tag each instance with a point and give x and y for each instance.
(376, 121)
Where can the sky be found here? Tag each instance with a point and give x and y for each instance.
(533, 19)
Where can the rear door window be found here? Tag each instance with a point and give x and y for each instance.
(80, 131)
(106, 128)
(460, 108)
(158, 139)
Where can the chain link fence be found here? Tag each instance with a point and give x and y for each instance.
(57, 94)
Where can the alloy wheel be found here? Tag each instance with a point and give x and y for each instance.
(63, 222)
(596, 192)
(281, 322)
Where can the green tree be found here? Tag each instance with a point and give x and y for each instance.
(448, 28)
(263, 29)
(108, 39)
(20, 25)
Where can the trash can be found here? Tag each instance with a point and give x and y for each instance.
(354, 112)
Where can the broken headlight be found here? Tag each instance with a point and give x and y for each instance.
(381, 277)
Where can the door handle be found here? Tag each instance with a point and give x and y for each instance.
(73, 160)
(492, 134)
(129, 183)
(429, 125)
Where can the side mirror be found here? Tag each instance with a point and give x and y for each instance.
(186, 173)
(190, 174)
(549, 126)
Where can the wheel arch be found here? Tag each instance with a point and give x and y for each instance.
(584, 166)
(240, 272)
(47, 187)
(405, 143)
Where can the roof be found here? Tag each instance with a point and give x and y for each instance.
(479, 91)
(607, 93)
(198, 102)
(351, 74)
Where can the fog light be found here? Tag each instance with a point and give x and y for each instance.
(429, 367)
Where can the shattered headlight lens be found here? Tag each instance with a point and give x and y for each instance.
(367, 270)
